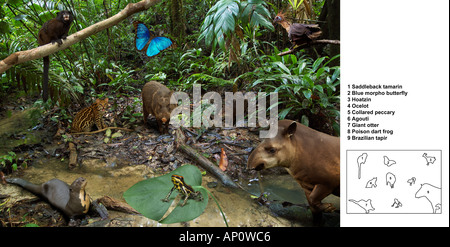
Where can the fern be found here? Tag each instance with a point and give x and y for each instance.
(213, 81)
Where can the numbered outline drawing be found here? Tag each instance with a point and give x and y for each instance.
(361, 160)
(432, 194)
(390, 179)
(429, 159)
(364, 204)
(412, 186)
(372, 183)
(388, 162)
(397, 203)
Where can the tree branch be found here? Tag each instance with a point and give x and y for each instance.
(45, 50)
(202, 161)
(315, 42)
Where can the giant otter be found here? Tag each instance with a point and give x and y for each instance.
(71, 200)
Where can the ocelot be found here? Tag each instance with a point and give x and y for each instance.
(87, 117)
(183, 188)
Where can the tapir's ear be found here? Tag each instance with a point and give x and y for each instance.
(291, 129)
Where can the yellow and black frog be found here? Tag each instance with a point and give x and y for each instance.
(186, 190)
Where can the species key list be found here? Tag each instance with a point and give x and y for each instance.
(367, 118)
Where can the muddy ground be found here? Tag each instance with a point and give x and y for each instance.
(40, 142)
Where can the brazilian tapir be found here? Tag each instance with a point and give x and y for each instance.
(156, 100)
(311, 157)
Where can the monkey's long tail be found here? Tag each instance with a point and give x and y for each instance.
(45, 79)
(359, 170)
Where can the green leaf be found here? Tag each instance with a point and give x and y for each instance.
(335, 75)
(4, 27)
(108, 132)
(317, 63)
(31, 225)
(282, 67)
(116, 135)
(284, 112)
(146, 196)
(307, 93)
(190, 211)
(225, 19)
(304, 120)
(260, 20)
(319, 88)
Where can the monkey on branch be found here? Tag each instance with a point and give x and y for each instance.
(54, 30)
(301, 35)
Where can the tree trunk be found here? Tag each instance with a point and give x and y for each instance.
(177, 20)
(332, 27)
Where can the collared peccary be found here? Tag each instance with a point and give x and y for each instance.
(156, 101)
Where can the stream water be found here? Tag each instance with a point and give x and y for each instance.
(106, 177)
(239, 208)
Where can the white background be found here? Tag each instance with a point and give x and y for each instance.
(408, 164)
(399, 42)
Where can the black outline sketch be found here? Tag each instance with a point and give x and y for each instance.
(429, 159)
(388, 162)
(435, 195)
(416, 181)
(361, 160)
(411, 181)
(397, 203)
(390, 179)
(364, 204)
(372, 183)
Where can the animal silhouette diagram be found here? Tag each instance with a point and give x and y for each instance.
(395, 182)
(390, 179)
(364, 204)
(429, 159)
(432, 194)
(397, 203)
(361, 160)
(411, 181)
(372, 183)
(388, 162)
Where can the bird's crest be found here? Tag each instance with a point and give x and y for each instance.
(279, 17)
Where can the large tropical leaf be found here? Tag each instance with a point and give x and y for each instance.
(223, 18)
(146, 196)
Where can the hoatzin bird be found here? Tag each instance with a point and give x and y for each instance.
(299, 34)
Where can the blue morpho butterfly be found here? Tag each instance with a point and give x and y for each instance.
(146, 38)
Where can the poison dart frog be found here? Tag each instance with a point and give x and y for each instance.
(184, 189)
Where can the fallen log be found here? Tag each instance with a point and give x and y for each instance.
(114, 204)
(97, 131)
(202, 161)
(73, 157)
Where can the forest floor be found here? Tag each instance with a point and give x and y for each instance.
(112, 166)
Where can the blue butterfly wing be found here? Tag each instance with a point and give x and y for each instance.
(142, 36)
(157, 45)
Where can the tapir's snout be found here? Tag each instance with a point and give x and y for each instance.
(255, 161)
(251, 161)
(263, 157)
(259, 167)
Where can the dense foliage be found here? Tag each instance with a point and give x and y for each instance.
(225, 45)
